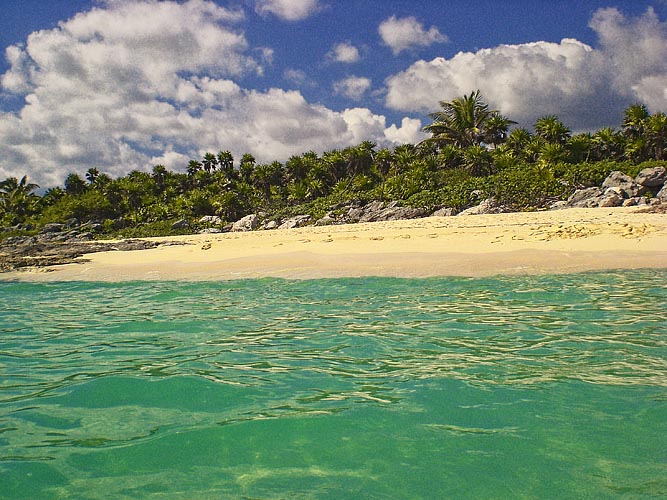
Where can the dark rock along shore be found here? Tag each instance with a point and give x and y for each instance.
(18, 253)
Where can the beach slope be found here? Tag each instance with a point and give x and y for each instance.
(562, 241)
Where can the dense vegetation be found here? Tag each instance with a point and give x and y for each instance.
(471, 155)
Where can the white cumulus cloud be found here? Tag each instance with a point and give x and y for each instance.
(289, 10)
(587, 87)
(345, 53)
(353, 87)
(404, 33)
(107, 89)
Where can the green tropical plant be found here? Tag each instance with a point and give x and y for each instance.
(462, 121)
(551, 129)
(17, 198)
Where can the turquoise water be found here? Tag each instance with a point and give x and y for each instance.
(521, 387)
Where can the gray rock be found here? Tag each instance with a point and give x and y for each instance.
(210, 230)
(585, 198)
(181, 224)
(212, 220)
(52, 228)
(652, 177)
(327, 220)
(610, 198)
(444, 212)
(94, 227)
(625, 183)
(355, 213)
(270, 225)
(488, 206)
(559, 205)
(395, 213)
(247, 223)
(84, 237)
(296, 221)
(662, 194)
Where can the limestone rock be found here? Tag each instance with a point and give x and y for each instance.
(625, 183)
(488, 206)
(585, 198)
(662, 194)
(610, 198)
(652, 177)
(444, 212)
(212, 220)
(247, 223)
(296, 221)
(52, 228)
(327, 220)
(180, 224)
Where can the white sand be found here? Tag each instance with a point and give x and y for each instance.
(519, 243)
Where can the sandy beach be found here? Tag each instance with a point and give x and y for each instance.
(563, 241)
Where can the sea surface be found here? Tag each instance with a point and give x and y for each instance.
(541, 387)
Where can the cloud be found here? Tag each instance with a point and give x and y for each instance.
(344, 53)
(298, 77)
(586, 87)
(367, 126)
(410, 132)
(289, 10)
(106, 89)
(405, 33)
(353, 87)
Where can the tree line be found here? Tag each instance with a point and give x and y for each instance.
(471, 153)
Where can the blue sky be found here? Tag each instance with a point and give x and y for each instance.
(127, 84)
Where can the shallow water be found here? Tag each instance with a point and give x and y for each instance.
(519, 387)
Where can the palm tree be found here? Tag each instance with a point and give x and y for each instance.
(193, 167)
(496, 129)
(226, 163)
(247, 166)
(209, 162)
(17, 198)
(634, 128)
(74, 184)
(607, 144)
(634, 120)
(160, 177)
(656, 136)
(579, 147)
(551, 129)
(478, 160)
(91, 175)
(467, 121)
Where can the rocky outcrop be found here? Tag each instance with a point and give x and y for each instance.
(444, 212)
(210, 220)
(296, 221)
(180, 224)
(624, 184)
(619, 189)
(247, 223)
(32, 251)
(652, 178)
(488, 206)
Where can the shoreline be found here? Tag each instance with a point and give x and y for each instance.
(550, 242)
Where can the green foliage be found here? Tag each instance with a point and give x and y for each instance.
(527, 187)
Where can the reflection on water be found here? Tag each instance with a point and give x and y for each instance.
(346, 388)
